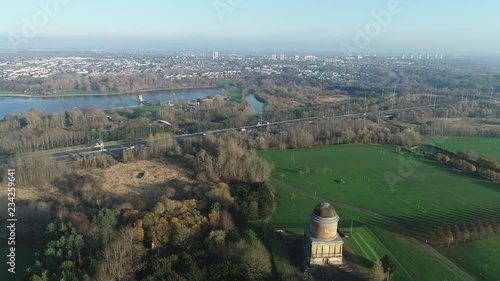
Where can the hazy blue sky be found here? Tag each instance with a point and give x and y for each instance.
(444, 26)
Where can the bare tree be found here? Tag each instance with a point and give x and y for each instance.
(122, 258)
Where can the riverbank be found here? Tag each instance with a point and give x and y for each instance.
(20, 95)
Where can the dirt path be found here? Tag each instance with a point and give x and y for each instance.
(388, 220)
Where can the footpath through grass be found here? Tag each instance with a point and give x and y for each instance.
(417, 193)
(481, 258)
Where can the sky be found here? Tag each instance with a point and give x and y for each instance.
(364, 26)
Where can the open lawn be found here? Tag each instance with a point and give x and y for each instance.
(480, 146)
(417, 193)
(481, 258)
(235, 95)
(371, 239)
(141, 111)
(223, 82)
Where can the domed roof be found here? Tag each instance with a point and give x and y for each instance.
(324, 210)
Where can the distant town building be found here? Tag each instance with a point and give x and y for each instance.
(322, 242)
(273, 57)
(215, 55)
(297, 57)
(420, 56)
(309, 58)
(442, 56)
(282, 57)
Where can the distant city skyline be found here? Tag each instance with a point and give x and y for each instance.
(363, 26)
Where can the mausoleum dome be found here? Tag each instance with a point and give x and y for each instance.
(324, 210)
(324, 220)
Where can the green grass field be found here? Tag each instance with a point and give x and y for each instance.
(480, 146)
(235, 95)
(223, 82)
(371, 239)
(141, 110)
(481, 258)
(419, 194)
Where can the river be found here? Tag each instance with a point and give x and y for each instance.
(258, 106)
(19, 105)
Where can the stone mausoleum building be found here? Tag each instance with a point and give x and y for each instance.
(322, 242)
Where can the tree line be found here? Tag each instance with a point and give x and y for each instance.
(102, 83)
(463, 160)
(322, 132)
(37, 130)
(466, 232)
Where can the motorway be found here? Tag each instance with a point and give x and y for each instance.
(70, 154)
